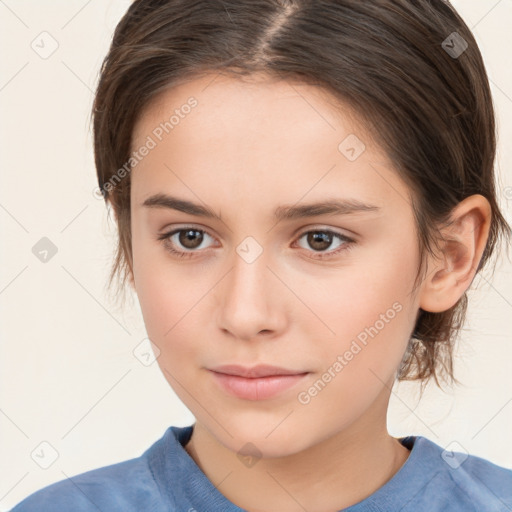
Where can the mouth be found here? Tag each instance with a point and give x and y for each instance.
(256, 383)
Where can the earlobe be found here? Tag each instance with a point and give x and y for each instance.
(451, 273)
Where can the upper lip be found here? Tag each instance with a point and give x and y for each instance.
(261, 370)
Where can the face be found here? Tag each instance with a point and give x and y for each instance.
(324, 294)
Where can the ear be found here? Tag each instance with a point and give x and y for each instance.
(450, 273)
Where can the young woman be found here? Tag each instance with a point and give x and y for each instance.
(304, 191)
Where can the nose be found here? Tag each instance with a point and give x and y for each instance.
(251, 299)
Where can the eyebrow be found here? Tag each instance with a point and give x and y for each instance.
(284, 212)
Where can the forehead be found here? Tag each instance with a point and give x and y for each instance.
(254, 106)
(257, 136)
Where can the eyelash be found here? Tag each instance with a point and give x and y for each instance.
(348, 242)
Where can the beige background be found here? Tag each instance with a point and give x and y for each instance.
(68, 373)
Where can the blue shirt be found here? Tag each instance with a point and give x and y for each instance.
(166, 479)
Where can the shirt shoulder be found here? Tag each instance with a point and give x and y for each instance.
(484, 484)
(126, 486)
(435, 479)
(460, 482)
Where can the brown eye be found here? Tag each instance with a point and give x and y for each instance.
(185, 242)
(190, 238)
(321, 239)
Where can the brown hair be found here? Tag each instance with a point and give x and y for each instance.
(402, 65)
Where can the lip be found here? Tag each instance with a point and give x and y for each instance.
(256, 383)
(260, 370)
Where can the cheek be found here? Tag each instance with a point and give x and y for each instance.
(161, 294)
(164, 304)
(372, 317)
(369, 308)
(167, 318)
(170, 300)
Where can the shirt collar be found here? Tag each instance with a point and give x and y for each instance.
(184, 484)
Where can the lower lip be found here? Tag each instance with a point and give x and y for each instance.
(257, 388)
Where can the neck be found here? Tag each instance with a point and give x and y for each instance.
(333, 474)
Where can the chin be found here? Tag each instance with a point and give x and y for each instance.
(257, 439)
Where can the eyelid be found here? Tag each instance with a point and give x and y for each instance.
(166, 231)
(173, 229)
(347, 241)
(166, 234)
(324, 227)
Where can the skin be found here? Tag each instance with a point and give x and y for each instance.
(245, 149)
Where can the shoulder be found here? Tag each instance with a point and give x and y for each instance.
(127, 486)
(486, 478)
(475, 481)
